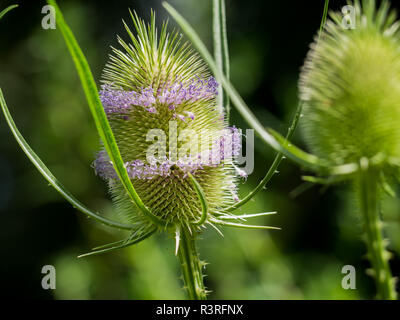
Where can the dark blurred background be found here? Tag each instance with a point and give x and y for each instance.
(268, 41)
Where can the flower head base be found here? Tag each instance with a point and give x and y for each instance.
(350, 86)
(159, 96)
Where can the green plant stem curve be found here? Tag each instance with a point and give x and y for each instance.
(3, 12)
(273, 169)
(221, 53)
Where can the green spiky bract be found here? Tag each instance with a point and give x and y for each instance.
(350, 88)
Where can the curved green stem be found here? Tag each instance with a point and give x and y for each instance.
(191, 266)
(203, 200)
(221, 53)
(324, 16)
(119, 244)
(3, 12)
(367, 187)
(275, 164)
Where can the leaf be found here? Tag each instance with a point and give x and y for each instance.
(37, 162)
(324, 180)
(221, 53)
(123, 245)
(314, 163)
(2, 13)
(202, 198)
(243, 226)
(135, 235)
(299, 156)
(99, 116)
(324, 16)
(246, 216)
(112, 244)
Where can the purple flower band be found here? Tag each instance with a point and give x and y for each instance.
(227, 146)
(120, 101)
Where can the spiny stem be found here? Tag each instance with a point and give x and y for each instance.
(378, 256)
(191, 265)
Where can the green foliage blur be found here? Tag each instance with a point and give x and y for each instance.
(268, 42)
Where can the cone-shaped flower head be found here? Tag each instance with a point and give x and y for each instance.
(161, 103)
(350, 86)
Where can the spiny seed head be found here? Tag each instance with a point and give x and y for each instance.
(350, 86)
(160, 98)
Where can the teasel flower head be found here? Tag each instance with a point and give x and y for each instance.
(350, 88)
(160, 98)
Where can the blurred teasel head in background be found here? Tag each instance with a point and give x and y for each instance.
(350, 88)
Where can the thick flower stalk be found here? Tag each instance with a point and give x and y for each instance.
(350, 88)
